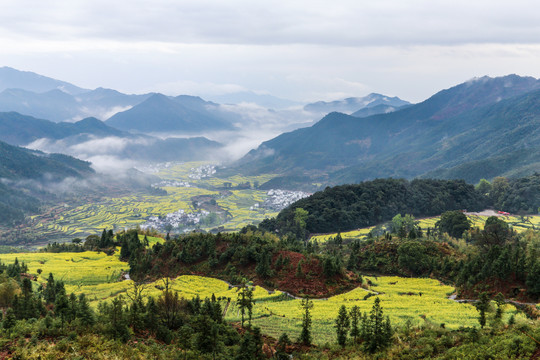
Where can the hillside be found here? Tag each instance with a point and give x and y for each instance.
(355, 104)
(348, 207)
(160, 113)
(84, 137)
(18, 163)
(22, 171)
(26, 80)
(17, 129)
(446, 130)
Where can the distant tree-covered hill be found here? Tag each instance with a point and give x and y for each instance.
(160, 113)
(480, 123)
(373, 101)
(21, 170)
(88, 136)
(18, 163)
(348, 207)
(17, 129)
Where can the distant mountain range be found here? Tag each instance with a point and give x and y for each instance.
(91, 136)
(482, 128)
(42, 97)
(18, 163)
(160, 113)
(379, 104)
(263, 100)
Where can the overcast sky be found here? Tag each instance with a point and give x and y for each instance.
(300, 50)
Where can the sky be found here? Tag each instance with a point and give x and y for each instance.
(299, 50)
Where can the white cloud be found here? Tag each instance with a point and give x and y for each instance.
(294, 49)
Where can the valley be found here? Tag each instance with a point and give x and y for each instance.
(161, 244)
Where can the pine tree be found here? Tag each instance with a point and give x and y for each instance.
(305, 334)
(251, 346)
(61, 307)
(244, 302)
(263, 267)
(151, 317)
(281, 347)
(184, 339)
(342, 325)
(85, 312)
(379, 330)
(9, 319)
(499, 299)
(73, 306)
(299, 273)
(482, 305)
(355, 317)
(118, 328)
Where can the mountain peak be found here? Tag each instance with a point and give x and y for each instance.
(353, 104)
(30, 81)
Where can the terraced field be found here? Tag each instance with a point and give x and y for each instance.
(403, 299)
(519, 224)
(130, 211)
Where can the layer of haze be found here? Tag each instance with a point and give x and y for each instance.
(300, 50)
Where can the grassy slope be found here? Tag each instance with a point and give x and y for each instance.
(97, 275)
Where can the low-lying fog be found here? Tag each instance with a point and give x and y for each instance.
(255, 125)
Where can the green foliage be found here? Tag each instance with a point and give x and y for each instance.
(377, 331)
(244, 302)
(454, 223)
(342, 325)
(482, 305)
(305, 335)
(348, 207)
(251, 346)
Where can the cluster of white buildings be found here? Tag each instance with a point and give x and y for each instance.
(171, 183)
(279, 199)
(201, 172)
(174, 220)
(154, 168)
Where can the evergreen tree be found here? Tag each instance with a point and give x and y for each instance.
(305, 334)
(251, 346)
(482, 305)
(355, 317)
(117, 326)
(244, 302)
(85, 312)
(9, 320)
(281, 347)
(299, 273)
(151, 316)
(184, 341)
(263, 266)
(61, 307)
(342, 325)
(499, 299)
(378, 331)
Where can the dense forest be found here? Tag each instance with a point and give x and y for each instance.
(348, 207)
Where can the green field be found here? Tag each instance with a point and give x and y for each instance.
(67, 222)
(403, 299)
(516, 222)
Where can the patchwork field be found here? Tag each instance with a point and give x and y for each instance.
(238, 206)
(517, 222)
(403, 299)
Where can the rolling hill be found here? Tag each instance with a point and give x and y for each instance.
(160, 113)
(480, 120)
(17, 129)
(20, 172)
(92, 136)
(355, 104)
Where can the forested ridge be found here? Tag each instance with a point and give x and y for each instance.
(353, 206)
